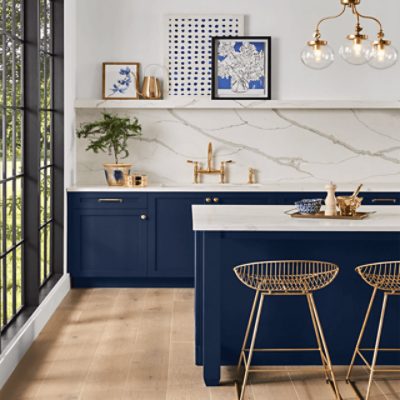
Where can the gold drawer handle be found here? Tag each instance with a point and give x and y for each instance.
(110, 200)
(384, 201)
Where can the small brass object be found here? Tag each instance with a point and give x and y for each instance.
(252, 176)
(348, 205)
(136, 180)
(210, 170)
(151, 89)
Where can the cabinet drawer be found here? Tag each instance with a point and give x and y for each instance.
(109, 201)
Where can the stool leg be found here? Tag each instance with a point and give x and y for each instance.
(378, 339)
(360, 337)
(318, 337)
(246, 336)
(253, 341)
(325, 347)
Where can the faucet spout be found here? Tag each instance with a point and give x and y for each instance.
(210, 154)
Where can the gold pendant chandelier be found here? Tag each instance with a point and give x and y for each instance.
(356, 51)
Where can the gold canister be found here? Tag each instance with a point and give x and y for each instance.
(151, 89)
(136, 180)
(348, 205)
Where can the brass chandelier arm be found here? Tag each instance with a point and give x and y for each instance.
(317, 30)
(368, 17)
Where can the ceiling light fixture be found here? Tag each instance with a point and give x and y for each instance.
(356, 51)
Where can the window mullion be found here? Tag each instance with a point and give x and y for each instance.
(31, 157)
(57, 73)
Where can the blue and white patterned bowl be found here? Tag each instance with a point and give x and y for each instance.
(309, 206)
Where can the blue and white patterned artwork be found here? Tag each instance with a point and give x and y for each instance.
(120, 80)
(189, 50)
(241, 68)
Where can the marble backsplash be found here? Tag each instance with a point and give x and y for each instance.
(284, 146)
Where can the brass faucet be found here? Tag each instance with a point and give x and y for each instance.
(198, 171)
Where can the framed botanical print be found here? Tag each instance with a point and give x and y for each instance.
(120, 80)
(241, 68)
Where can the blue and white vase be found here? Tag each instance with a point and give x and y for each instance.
(117, 173)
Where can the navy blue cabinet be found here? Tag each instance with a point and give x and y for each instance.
(110, 243)
(171, 244)
(146, 239)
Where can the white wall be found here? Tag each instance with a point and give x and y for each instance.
(111, 30)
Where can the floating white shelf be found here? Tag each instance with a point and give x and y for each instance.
(207, 104)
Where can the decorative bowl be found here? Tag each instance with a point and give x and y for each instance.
(348, 205)
(308, 206)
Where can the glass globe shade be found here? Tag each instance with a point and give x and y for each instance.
(317, 57)
(383, 57)
(355, 52)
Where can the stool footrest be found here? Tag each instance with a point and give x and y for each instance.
(380, 349)
(380, 369)
(261, 350)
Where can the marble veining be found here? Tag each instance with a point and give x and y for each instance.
(283, 145)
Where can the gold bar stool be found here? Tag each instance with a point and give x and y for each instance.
(383, 276)
(285, 278)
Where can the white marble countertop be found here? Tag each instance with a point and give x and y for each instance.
(273, 218)
(237, 187)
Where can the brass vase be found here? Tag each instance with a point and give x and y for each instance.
(117, 173)
(151, 89)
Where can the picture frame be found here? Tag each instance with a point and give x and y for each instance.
(121, 80)
(241, 68)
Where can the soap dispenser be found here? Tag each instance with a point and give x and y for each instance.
(330, 201)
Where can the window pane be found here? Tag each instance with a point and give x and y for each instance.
(18, 18)
(9, 216)
(18, 74)
(19, 276)
(9, 285)
(19, 142)
(19, 208)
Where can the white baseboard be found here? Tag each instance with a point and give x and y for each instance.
(16, 349)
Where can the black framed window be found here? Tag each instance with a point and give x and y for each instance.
(12, 165)
(31, 150)
(46, 56)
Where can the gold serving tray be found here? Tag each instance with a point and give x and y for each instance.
(321, 215)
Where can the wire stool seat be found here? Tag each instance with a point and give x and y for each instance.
(384, 277)
(287, 276)
(284, 278)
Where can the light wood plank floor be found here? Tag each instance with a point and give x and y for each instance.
(137, 344)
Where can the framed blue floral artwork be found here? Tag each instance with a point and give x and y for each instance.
(241, 68)
(120, 80)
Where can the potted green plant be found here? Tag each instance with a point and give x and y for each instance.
(110, 135)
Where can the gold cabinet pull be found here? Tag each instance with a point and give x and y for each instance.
(208, 200)
(216, 200)
(384, 201)
(110, 200)
(143, 217)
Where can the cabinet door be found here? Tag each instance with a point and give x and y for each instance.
(108, 243)
(171, 247)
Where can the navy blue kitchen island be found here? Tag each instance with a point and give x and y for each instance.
(226, 236)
